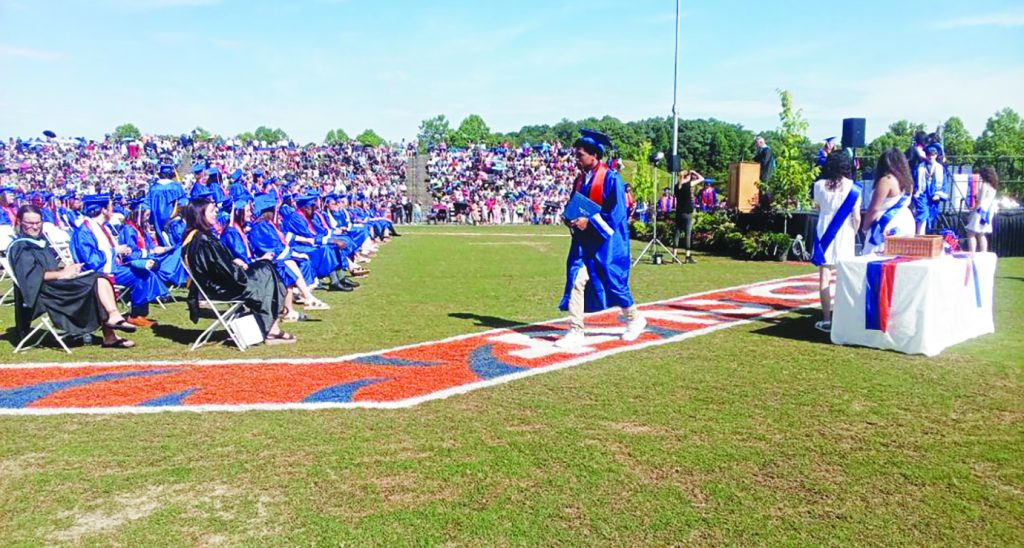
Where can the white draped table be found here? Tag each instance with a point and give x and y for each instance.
(934, 303)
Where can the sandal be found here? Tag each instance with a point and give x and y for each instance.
(280, 338)
(317, 305)
(119, 343)
(823, 326)
(122, 325)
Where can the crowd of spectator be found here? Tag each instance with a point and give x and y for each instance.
(60, 166)
(500, 185)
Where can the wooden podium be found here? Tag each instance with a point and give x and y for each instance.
(743, 178)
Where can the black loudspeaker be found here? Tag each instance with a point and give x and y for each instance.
(673, 163)
(853, 133)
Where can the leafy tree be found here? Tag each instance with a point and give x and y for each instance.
(201, 135)
(126, 131)
(643, 181)
(955, 138)
(434, 131)
(336, 136)
(472, 130)
(899, 136)
(268, 135)
(1003, 135)
(246, 137)
(793, 173)
(370, 138)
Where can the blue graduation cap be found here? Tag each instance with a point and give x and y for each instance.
(304, 200)
(290, 177)
(596, 138)
(136, 204)
(830, 139)
(7, 189)
(240, 202)
(212, 171)
(257, 173)
(92, 203)
(198, 167)
(201, 193)
(330, 199)
(236, 174)
(50, 134)
(264, 202)
(166, 169)
(933, 148)
(709, 181)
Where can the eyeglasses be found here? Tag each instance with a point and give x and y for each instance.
(28, 223)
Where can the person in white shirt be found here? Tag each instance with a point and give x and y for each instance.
(979, 226)
(838, 200)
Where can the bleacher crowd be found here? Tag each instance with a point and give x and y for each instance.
(500, 185)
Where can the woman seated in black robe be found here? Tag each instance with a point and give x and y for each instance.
(213, 266)
(78, 303)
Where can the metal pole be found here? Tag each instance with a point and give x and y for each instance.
(675, 99)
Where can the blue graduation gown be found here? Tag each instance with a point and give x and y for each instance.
(145, 286)
(603, 249)
(162, 198)
(175, 231)
(169, 267)
(340, 220)
(264, 238)
(323, 258)
(324, 230)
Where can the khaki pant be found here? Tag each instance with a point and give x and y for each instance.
(576, 301)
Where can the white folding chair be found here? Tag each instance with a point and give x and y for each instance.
(4, 267)
(43, 323)
(59, 240)
(224, 312)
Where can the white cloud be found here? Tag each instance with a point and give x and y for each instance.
(31, 54)
(1012, 18)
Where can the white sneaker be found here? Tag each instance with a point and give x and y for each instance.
(634, 328)
(572, 338)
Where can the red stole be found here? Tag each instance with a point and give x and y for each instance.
(596, 194)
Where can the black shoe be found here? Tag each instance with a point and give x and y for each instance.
(689, 260)
(349, 282)
(339, 287)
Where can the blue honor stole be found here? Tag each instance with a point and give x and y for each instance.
(842, 214)
(877, 233)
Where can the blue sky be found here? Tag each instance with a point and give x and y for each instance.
(81, 68)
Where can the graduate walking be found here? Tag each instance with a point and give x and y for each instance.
(597, 267)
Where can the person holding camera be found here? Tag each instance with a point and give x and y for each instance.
(684, 210)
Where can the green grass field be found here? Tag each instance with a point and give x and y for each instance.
(759, 434)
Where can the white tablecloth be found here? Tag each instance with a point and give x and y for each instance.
(934, 304)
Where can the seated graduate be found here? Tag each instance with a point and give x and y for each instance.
(93, 245)
(212, 265)
(346, 246)
(339, 222)
(265, 237)
(135, 235)
(323, 256)
(78, 302)
(234, 238)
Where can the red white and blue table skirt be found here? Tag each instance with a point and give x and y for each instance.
(912, 305)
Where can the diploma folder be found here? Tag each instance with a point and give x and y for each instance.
(580, 206)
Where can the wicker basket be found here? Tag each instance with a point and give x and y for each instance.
(913, 246)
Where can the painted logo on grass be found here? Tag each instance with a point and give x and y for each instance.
(398, 377)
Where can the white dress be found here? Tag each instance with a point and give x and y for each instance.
(902, 224)
(986, 200)
(844, 244)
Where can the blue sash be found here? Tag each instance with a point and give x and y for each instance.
(842, 214)
(877, 234)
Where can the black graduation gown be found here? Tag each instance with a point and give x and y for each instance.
(210, 262)
(72, 304)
